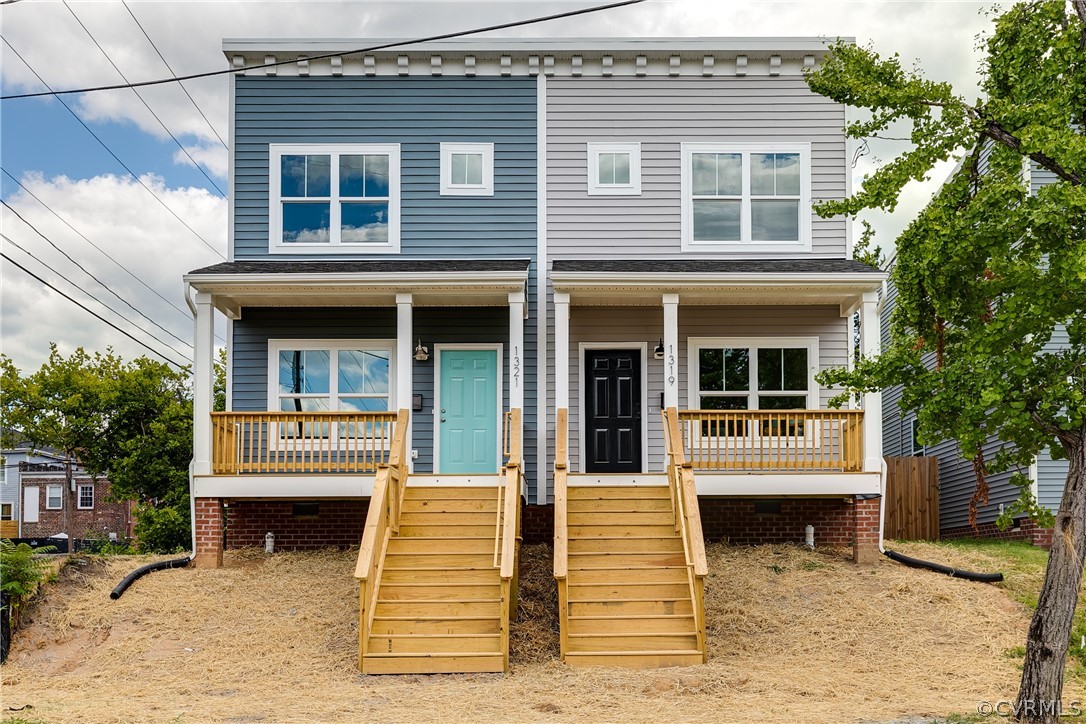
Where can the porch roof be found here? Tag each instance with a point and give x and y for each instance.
(609, 282)
(360, 283)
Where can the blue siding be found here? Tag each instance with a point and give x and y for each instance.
(417, 113)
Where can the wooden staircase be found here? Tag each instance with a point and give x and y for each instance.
(437, 571)
(630, 594)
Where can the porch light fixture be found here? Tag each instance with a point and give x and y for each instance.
(658, 350)
(421, 353)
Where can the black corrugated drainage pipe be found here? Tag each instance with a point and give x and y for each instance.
(940, 568)
(144, 570)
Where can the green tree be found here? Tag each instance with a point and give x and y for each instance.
(988, 271)
(130, 422)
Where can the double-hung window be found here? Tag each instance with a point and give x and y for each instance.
(54, 497)
(754, 374)
(746, 197)
(335, 199)
(86, 497)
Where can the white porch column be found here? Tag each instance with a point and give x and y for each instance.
(561, 350)
(203, 374)
(516, 350)
(671, 350)
(871, 346)
(404, 358)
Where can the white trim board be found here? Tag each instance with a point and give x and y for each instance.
(766, 485)
(582, 347)
(438, 349)
(283, 486)
(542, 273)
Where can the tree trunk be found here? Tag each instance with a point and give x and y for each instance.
(1050, 630)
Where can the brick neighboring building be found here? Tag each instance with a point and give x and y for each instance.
(50, 507)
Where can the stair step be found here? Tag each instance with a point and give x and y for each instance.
(439, 518)
(654, 575)
(618, 530)
(465, 575)
(618, 505)
(626, 591)
(608, 625)
(435, 625)
(438, 559)
(631, 607)
(636, 659)
(632, 642)
(445, 544)
(435, 644)
(407, 663)
(592, 559)
(439, 591)
(431, 608)
(585, 492)
(421, 529)
(625, 544)
(447, 505)
(445, 492)
(633, 520)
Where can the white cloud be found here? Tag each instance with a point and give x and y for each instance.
(121, 217)
(213, 157)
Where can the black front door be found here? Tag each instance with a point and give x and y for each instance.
(613, 411)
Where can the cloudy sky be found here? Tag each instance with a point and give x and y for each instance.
(131, 212)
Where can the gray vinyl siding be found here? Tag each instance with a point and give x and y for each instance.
(432, 325)
(1039, 177)
(957, 482)
(662, 113)
(1051, 477)
(418, 114)
(646, 324)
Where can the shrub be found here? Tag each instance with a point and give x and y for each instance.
(21, 572)
(164, 529)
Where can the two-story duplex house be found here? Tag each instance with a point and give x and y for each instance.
(591, 265)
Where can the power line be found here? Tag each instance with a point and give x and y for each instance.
(370, 49)
(114, 155)
(100, 249)
(144, 102)
(31, 255)
(89, 311)
(88, 273)
(169, 68)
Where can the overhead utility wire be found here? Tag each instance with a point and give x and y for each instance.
(114, 155)
(90, 311)
(169, 68)
(23, 249)
(370, 49)
(90, 274)
(144, 102)
(100, 249)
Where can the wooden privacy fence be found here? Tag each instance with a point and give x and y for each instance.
(912, 498)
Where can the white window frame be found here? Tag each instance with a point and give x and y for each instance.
(276, 151)
(694, 345)
(595, 188)
(745, 243)
(448, 188)
(59, 490)
(333, 346)
(79, 497)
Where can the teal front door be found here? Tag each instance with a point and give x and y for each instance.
(468, 411)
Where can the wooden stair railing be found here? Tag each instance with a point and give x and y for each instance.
(561, 533)
(684, 496)
(509, 532)
(382, 521)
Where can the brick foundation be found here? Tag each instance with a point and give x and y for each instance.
(336, 523)
(209, 516)
(1024, 530)
(537, 523)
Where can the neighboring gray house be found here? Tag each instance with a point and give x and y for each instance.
(956, 478)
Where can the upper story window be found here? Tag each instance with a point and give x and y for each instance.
(746, 197)
(86, 497)
(614, 169)
(335, 198)
(467, 169)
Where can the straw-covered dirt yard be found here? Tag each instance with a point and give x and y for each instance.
(794, 636)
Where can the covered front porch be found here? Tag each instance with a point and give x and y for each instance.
(733, 347)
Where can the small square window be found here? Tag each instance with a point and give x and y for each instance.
(54, 497)
(86, 497)
(467, 169)
(614, 169)
(7, 511)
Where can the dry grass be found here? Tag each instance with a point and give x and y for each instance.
(795, 636)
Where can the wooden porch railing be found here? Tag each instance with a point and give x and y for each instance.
(300, 442)
(508, 524)
(561, 533)
(773, 440)
(382, 520)
(684, 497)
